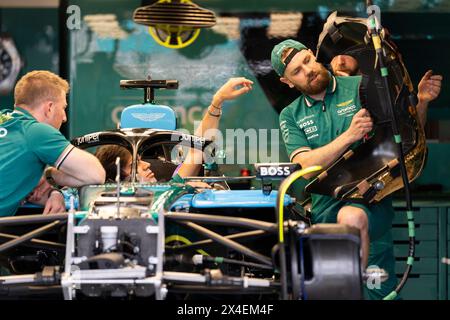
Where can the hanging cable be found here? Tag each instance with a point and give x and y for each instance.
(374, 27)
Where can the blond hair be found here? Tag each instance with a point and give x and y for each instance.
(38, 86)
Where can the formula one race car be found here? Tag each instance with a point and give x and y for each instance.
(167, 240)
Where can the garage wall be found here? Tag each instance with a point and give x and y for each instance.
(35, 33)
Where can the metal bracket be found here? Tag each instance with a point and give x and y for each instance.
(81, 229)
(77, 260)
(152, 260)
(152, 229)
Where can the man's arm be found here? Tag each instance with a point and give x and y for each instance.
(324, 156)
(73, 167)
(428, 89)
(230, 90)
(77, 169)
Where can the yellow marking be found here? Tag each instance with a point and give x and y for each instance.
(345, 103)
(282, 192)
(376, 42)
(176, 33)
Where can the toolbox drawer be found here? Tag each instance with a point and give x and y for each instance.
(422, 249)
(421, 216)
(427, 232)
(421, 287)
(421, 266)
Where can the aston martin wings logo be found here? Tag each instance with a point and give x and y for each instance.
(345, 103)
(148, 117)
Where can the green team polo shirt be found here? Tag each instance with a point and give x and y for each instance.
(308, 124)
(26, 147)
(177, 179)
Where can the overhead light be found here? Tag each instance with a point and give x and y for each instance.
(228, 26)
(174, 13)
(105, 26)
(284, 25)
(174, 24)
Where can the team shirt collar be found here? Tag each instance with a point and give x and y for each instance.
(23, 111)
(330, 89)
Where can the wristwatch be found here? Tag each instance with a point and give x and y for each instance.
(57, 190)
(49, 178)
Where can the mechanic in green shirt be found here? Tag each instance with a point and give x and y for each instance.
(30, 140)
(317, 128)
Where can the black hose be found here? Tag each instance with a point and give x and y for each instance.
(295, 272)
(229, 243)
(27, 290)
(28, 236)
(397, 136)
(283, 271)
(203, 243)
(222, 220)
(30, 219)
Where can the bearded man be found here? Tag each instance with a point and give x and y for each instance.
(317, 128)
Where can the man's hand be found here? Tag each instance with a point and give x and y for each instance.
(232, 89)
(41, 190)
(55, 203)
(429, 87)
(360, 126)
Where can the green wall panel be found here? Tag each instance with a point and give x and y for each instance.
(423, 249)
(421, 266)
(437, 170)
(422, 287)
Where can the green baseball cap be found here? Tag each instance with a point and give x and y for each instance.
(277, 52)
